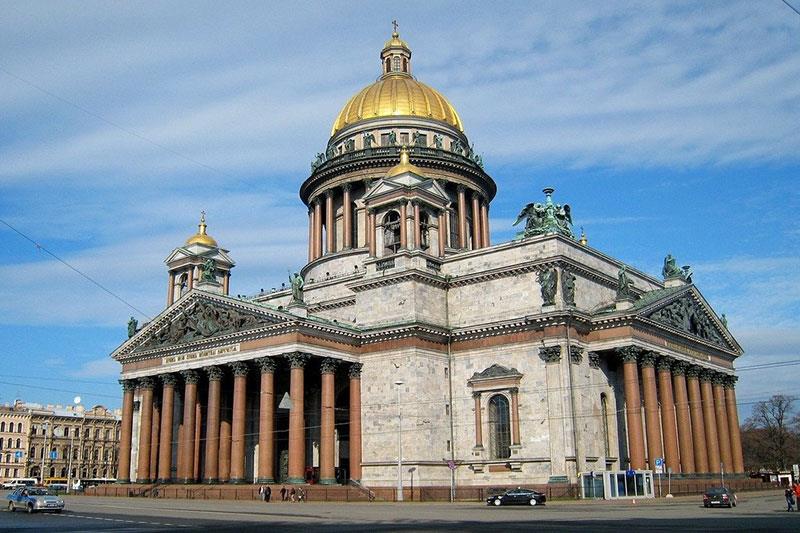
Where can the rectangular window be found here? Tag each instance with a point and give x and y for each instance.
(448, 445)
(384, 139)
(446, 372)
(447, 408)
(404, 138)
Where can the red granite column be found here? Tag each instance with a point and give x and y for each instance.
(310, 234)
(476, 222)
(371, 232)
(225, 449)
(683, 418)
(462, 217)
(733, 424)
(698, 423)
(317, 228)
(722, 421)
(330, 221)
(165, 434)
(211, 474)
(145, 386)
(485, 224)
(668, 419)
(239, 369)
(515, 438)
(442, 232)
(156, 424)
(126, 431)
(327, 446)
(403, 225)
(417, 227)
(478, 423)
(347, 209)
(355, 421)
(651, 421)
(171, 289)
(186, 444)
(710, 419)
(633, 406)
(266, 421)
(297, 430)
(198, 428)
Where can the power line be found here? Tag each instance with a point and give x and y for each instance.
(76, 270)
(791, 6)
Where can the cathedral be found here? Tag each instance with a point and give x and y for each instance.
(410, 347)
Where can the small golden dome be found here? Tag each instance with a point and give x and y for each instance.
(404, 165)
(397, 93)
(201, 237)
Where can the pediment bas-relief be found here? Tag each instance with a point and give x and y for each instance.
(689, 316)
(203, 320)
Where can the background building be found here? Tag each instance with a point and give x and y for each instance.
(60, 438)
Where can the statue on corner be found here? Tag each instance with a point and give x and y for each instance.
(624, 285)
(548, 281)
(132, 325)
(296, 283)
(545, 219)
(671, 270)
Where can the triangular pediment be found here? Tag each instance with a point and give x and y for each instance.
(495, 371)
(687, 311)
(199, 317)
(219, 255)
(407, 181)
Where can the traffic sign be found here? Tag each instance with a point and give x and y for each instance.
(18, 454)
(54, 455)
(659, 465)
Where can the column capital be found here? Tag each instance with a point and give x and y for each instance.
(215, 373)
(629, 353)
(190, 377)
(476, 195)
(239, 368)
(328, 365)
(346, 187)
(355, 370)
(513, 390)
(297, 359)
(128, 385)
(460, 188)
(693, 371)
(594, 360)
(550, 354)
(146, 382)
(168, 380)
(679, 368)
(576, 354)
(718, 378)
(648, 359)
(476, 394)
(730, 381)
(267, 365)
(329, 193)
(706, 374)
(664, 363)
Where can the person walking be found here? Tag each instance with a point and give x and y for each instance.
(292, 494)
(267, 494)
(797, 492)
(262, 493)
(283, 494)
(789, 493)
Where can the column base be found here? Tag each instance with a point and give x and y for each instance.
(328, 481)
(187, 481)
(122, 481)
(211, 481)
(145, 481)
(266, 480)
(296, 480)
(238, 481)
(165, 481)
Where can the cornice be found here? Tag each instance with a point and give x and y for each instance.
(412, 274)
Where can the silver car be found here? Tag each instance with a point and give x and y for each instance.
(34, 499)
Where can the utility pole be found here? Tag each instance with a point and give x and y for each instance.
(398, 383)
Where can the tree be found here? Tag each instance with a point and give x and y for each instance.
(771, 436)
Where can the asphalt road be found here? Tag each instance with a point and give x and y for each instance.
(756, 511)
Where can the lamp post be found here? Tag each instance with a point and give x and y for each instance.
(44, 452)
(398, 383)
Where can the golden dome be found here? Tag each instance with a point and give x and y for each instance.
(201, 237)
(397, 95)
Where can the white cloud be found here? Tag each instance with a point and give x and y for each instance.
(97, 368)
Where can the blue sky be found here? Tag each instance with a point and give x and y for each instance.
(670, 127)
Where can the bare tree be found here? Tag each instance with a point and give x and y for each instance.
(770, 434)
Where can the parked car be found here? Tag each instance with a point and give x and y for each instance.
(719, 496)
(518, 496)
(19, 482)
(34, 499)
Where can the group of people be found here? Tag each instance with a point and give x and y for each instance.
(287, 495)
(792, 496)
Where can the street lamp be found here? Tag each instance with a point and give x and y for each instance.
(44, 452)
(398, 383)
(77, 402)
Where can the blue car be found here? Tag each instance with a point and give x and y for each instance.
(34, 499)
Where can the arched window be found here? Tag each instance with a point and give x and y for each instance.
(64, 472)
(396, 64)
(9, 443)
(75, 454)
(96, 434)
(19, 427)
(76, 432)
(388, 65)
(391, 232)
(184, 286)
(33, 451)
(87, 433)
(94, 472)
(96, 454)
(604, 412)
(499, 427)
(405, 65)
(2, 426)
(52, 471)
(8, 457)
(19, 444)
(1, 444)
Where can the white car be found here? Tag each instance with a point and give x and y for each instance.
(33, 500)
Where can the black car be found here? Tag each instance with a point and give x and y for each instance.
(719, 496)
(518, 497)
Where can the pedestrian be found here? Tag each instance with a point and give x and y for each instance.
(789, 493)
(262, 493)
(797, 492)
(292, 494)
(301, 494)
(267, 494)
(283, 494)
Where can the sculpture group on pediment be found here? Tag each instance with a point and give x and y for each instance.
(686, 315)
(545, 219)
(201, 321)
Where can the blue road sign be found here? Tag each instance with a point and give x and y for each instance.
(17, 454)
(54, 455)
(659, 461)
(630, 472)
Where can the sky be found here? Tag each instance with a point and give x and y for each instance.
(669, 127)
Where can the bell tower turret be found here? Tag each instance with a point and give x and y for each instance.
(396, 56)
(199, 264)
